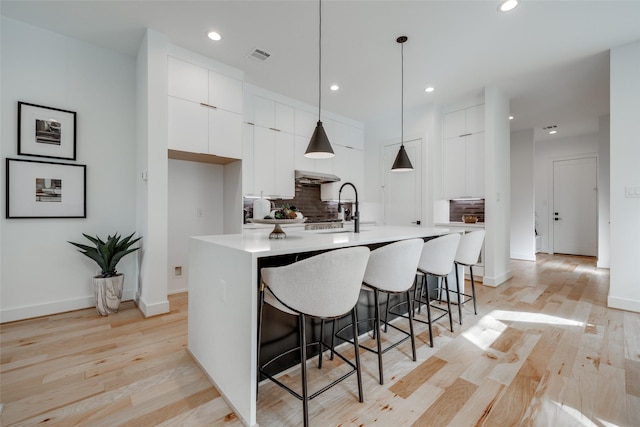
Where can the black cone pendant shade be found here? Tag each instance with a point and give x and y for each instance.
(319, 146)
(402, 162)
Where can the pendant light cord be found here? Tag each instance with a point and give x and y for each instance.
(402, 95)
(319, 58)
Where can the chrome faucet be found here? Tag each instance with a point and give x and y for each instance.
(356, 215)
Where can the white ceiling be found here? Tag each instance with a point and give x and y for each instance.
(550, 57)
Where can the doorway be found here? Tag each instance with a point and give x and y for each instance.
(575, 206)
(402, 190)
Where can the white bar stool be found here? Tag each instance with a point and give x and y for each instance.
(324, 286)
(467, 256)
(437, 260)
(391, 270)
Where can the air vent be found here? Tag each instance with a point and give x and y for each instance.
(259, 55)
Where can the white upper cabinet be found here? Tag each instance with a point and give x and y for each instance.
(273, 115)
(188, 81)
(205, 110)
(305, 123)
(463, 153)
(225, 92)
(348, 165)
(454, 124)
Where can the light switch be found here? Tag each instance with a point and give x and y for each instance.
(632, 192)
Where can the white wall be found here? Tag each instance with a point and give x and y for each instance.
(545, 153)
(41, 273)
(624, 289)
(195, 192)
(523, 245)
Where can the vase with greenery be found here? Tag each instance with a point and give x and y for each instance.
(108, 285)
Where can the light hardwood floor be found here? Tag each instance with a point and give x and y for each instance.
(543, 351)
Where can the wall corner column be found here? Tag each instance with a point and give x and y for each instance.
(152, 171)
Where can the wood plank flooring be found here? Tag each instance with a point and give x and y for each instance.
(544, 350)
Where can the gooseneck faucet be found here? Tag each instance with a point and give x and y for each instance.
(356, 215)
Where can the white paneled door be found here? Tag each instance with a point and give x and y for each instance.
(403, 190)
(575, 207)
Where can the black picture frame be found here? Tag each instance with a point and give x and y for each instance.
(39, 189)
(46, 131)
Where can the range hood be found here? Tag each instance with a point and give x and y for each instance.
(307, 177)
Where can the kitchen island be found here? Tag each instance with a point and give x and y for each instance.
(223, 297)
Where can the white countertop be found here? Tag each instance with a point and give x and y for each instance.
(461, 224)
(257, 242)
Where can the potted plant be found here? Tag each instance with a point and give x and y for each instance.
(108, 285)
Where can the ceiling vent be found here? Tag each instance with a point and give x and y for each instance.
(259, 55)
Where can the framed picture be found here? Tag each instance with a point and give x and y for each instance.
(37, 189)
(46, 132)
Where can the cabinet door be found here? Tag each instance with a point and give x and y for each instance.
(475, 119)
(342, 170)
(225, 92)
(453, 124)
(283, 165)
(474, 166)
(187, 126)
(264, 113)
(284, 118)
(300, 161)
(453, 167)
(264, 161)
(187, 81)
(247, 160)
(305, 123)
(225, 133)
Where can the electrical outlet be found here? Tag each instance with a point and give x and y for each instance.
(177, 271)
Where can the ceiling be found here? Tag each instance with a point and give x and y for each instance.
(550, 57)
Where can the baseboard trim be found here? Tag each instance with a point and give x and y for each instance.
(524, 257)
(623, 304)
(50, 308)
(150, 310)
(496, 281)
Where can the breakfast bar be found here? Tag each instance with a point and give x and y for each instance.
(223, 292)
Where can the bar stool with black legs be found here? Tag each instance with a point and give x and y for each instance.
(437, 261)
(325, 287)
(467, 256)
(391, 270)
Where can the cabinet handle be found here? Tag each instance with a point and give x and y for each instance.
(249, 123)
(466, 134)
(277, 130)
(208, 105)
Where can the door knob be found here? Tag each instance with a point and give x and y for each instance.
(416, 222)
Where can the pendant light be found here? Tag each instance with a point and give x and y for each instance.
(402, 162)
(319, 146)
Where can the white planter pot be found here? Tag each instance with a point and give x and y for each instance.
(108, 293)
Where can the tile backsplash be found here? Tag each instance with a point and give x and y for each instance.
(457, 208)
(306, 200)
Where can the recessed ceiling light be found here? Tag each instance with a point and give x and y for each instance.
(334, 87)
(507, 5)
(429, 89)
(510, 117)
(214, 36)
(553, 132)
